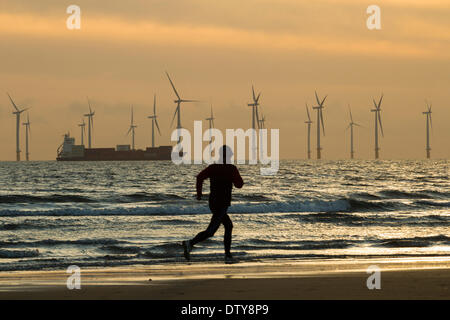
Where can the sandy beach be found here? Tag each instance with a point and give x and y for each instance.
(424, 278)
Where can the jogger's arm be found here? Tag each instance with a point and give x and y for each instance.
(200, 178)
(237, 179)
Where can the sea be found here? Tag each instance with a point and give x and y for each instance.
(106, 214)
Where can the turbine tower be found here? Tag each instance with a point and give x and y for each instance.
(319, 108)
(309, 122)
(211, 119)
(352, 151)
(154, 121)
(90, 116)
(17, 113)
(27, 132)
(429, 124)
(377, 111)
(178, 102)
(132, 128)
(262, 125)
(83, 131)
(211, 125)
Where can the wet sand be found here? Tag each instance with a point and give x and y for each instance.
(424, 278)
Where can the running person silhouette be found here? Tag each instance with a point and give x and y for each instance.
(223, 176)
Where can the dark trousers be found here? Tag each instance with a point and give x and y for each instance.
(219, 216)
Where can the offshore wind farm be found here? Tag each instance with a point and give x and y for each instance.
(257, 123)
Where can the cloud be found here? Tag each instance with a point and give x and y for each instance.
(287, 48)
(142, 32)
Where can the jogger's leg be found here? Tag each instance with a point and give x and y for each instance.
(228, 231)
(210, 231)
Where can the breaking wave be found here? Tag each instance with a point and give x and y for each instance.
(339, 205)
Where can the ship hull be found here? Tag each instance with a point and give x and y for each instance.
(110, 154)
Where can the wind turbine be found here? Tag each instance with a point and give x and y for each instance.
(319, 108)
(352, 152)
(255, 118)
(178, 102)
(90, 116)
(132, 128)
(309, 122)
(377, 120)
(262, 122)
(429, 124)
(154, 121)
(27, 132)
(254, 105)
(17, 113)
(83, 131)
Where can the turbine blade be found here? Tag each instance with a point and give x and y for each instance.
(154, 105)
(157, 126)
(379, 103)
(175, 90)
(381, 126)
(317, 98)
(253, 92)
(190, 101)
(128, 132)
(89, 104)
(257, 98)
(321, 120)
(431, 122)
(257, 118)
(12, 102)
(375, 104)
(323, 101)
(174, 114)
(350, 110)
(307, 112)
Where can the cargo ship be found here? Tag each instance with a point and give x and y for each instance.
(69, 151)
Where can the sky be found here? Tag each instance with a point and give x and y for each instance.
(214, 52)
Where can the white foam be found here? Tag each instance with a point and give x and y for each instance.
(143, 210)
